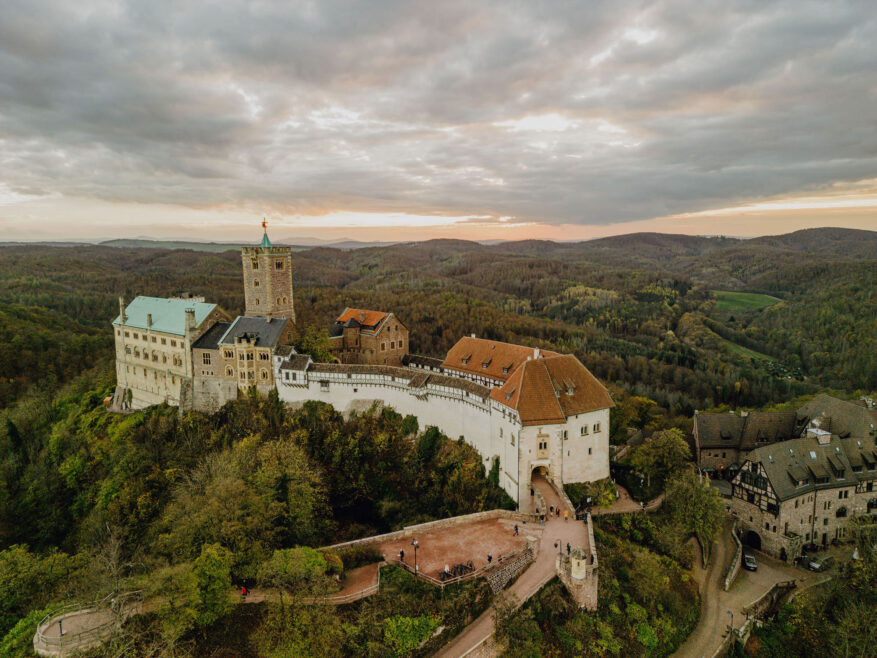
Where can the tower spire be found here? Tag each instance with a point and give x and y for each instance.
(265, 241)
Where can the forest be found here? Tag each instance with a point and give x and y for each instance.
(183, 508)
(640, 311)
(91, 501)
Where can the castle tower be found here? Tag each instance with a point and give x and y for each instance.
(268, 279)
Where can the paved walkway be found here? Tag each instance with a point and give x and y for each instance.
(533, 579)
(625, 504)
(747, 588)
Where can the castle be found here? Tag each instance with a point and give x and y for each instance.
(530, 411)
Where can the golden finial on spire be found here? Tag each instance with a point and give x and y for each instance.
(264, 224)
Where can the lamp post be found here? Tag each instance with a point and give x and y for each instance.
(416, 546)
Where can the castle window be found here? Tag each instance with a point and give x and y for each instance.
(512, 436)
(249, 356)
(229, 372)
(127, 335)
(164, 358)
(164, 341)
(228, 354)
(153, 339)
(263, 356)
(278, 264)
(205, 358)
(565, 435)
(255, 264)
(263, 374)
(243, 375)
(127, 350)
(392, 345)
(136, 335)
(324, 386)
(257, 302)
(255, 283)
(241, 356)
(590, 450)
(383, 347)
(173, 343)
(278, 299)
(584, 430)
(118, 332)
(596, 427)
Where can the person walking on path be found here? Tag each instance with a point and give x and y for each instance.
(551, 509)
(557, 512)
(567, 548)
(566, 515)
(402, 556)
(489, 559)
(516, 530)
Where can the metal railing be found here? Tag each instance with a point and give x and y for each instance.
(112, 604)
(481, 571)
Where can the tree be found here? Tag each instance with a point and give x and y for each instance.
(212, 572)
(315, 342)
(404, 634)
(694, 506)
(661, 454)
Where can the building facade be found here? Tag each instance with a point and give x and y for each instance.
(268, 280)
(153, 339)
(233, 356)
(551, 416)
(804, 491)
(368, 337)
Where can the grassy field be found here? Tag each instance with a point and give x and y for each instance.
(745, 351)
(740, 302)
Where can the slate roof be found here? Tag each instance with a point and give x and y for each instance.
(296, 362)
(745, 432)
(168, 315)
(793, 466)
(284, 351)
(489, 358)
(421, 361)
(549, 390)
(210, 339)
(404, 374)
(802, 461)
(267, 332)
(846, 419)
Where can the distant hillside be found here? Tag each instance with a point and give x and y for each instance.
(218, 247)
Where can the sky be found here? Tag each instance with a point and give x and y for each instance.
(405, 120)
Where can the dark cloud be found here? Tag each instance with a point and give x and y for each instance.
(564, 112)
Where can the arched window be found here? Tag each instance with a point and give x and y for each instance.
(263, 374)
(229, 371)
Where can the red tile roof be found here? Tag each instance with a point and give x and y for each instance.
(550, 390)
(489, 358)
(363, 316)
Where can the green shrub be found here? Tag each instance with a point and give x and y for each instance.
(359, 556)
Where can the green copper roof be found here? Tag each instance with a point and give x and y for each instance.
(265, 241)
(168, 315)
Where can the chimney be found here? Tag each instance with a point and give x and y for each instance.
(190, 318)
(123, 317)
(149, 320)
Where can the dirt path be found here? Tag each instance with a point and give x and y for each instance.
(86, 622)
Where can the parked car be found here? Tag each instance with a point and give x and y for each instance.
(820, 563)
(749, 563)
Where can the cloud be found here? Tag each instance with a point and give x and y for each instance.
(561, 113)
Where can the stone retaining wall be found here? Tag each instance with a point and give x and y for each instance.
(734, 569)
(454, 521)
(508, 571)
